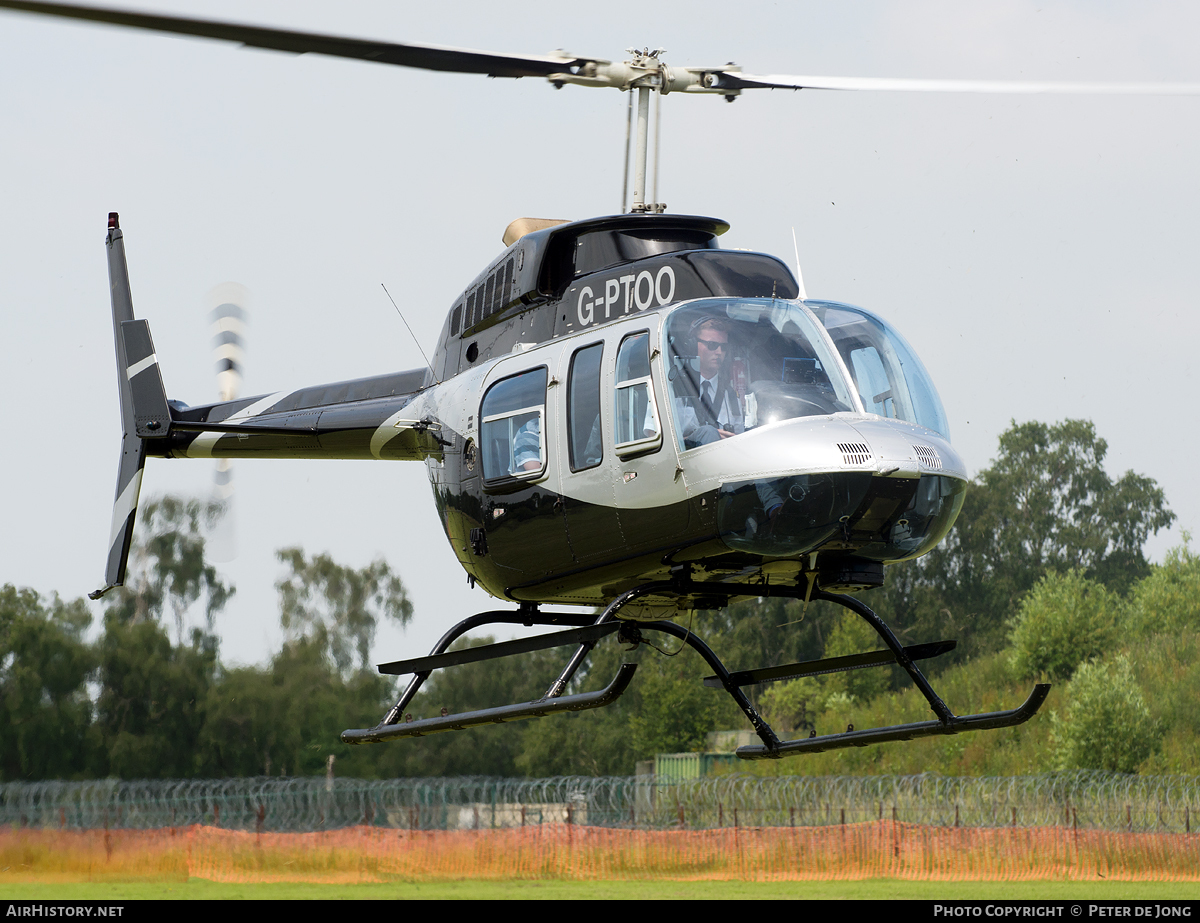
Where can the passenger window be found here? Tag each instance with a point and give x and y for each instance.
(635, 418)
(584, 442)
(511, 428)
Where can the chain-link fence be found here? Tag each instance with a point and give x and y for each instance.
(1082, 800)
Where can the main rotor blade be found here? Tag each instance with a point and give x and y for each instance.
(738, 81)
(495, 64)
(427, 57)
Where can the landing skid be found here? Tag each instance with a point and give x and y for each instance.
(586, 630)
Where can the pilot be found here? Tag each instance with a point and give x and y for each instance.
(707, 407)
(713, 410)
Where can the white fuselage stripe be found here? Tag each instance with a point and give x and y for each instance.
(202, 445)
(123, 506)
(389, 429)
(141, 365)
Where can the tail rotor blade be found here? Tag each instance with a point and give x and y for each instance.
(228, 315)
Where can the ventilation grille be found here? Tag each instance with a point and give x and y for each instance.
(929, 456)
(854, 453)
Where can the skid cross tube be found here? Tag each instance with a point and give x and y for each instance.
(526, 615)
(592, 630)
(536, 709)
(902, 656)
(589, 634)
(830, 665)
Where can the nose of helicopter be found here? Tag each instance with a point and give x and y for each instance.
(881, 489)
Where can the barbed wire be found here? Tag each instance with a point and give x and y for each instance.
(1081, 799)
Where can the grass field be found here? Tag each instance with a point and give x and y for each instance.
(872, 889)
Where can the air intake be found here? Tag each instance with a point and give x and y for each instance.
(929, 456)
(856, 453)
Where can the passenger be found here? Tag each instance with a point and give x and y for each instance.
(527, 446)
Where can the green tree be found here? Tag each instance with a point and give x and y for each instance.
(151, 705)
(792, 706)
(675, 710)
(1168, 600)
(666, 709)
(852, 635)
(1108, 724)
(482, 751)
(768, 631)
(286, 719)
(167, 564)
(44, 666)
(596, 742)
(1045, 504)
(337, 606)
(1065, 620)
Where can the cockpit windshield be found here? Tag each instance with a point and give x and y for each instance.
(890, 378)
(736, 364)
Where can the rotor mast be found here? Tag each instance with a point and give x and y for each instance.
(645, 73)
(645, 86)
(640, 152)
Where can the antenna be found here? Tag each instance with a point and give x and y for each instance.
(410, 333)
(799, 274)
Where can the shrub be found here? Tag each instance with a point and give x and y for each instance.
(792, 706)
(1065, 620)
(1108, 724)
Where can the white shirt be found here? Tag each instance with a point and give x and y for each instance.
(728, 413)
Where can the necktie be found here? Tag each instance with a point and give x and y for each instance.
(706, 390)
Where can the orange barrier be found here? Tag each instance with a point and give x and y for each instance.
(881, 849)
(94, 855)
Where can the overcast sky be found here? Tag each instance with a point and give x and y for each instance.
(1040, 253)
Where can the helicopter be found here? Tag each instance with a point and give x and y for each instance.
(547, 534)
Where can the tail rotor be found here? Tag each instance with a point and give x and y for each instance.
(228, 316)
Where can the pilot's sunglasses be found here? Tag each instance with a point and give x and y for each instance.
(713, 345)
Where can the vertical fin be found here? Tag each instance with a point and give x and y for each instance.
(133, 448)
(151, 415)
